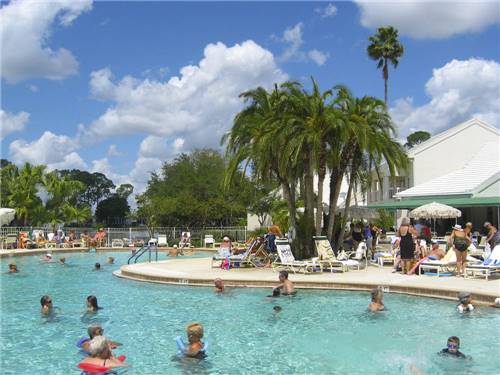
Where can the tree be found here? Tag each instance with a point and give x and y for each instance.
(125, 190)
(262, 200)
(385, 48)
(416, 138)
(112, 210)
(96, 186)
(77, 215)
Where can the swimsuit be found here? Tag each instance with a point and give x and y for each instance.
(460, 243)
(457, 354)
(407, 247)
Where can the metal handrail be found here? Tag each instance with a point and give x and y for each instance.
(140, 252)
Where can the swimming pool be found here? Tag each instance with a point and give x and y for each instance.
(317, 332)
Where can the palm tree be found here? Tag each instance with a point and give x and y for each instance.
(385, 48)
(76, 214)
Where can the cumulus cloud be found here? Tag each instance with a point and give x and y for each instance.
(430, 19)
(10, 122)
(113, 150)
(198, 105)
(25, 34)
(458, 91)
(55, 151)
(292, 37)
(329, 11)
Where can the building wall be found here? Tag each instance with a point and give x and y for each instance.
(450, 154)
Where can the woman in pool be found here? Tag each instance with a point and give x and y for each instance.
(111, 260)
(219, 285)
(196, 346)
(376, 303)
(460, 243)
(465, 302)
(92, 305)
(100, 354)
(46, 302)
(94, 331)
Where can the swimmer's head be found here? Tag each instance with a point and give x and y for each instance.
(99, 347)
(111, 260)
(219, 284)
(95, 330)
(276, 292)
(46, 300)
(277, 309)
(12, 267)
(377, 295)
(92, 303)
(62, 260)
(194, 332)
(283, 275)
(453, 343)
(464, 297)
(97, 266)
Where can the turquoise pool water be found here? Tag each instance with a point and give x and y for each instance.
(317, 332)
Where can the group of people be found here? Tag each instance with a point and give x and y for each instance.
(38, 238)
(411, 243)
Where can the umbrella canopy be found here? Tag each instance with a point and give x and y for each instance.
(6, 216)
(435, 210)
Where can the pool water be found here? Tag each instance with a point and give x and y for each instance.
(317, 332)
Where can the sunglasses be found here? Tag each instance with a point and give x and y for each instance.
(452, 346)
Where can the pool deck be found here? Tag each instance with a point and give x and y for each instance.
(198, 272)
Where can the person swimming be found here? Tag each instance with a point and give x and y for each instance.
(286, 287)
(452, 347)
(46, 302)
(277, 309)
(376, 304)
(111, 260)
(92, 305)
(62, 261)
(47, 257)
(196, 347)
(465, 302)
(219, 285)
(97, 266)
(13, 268)
(94, 331)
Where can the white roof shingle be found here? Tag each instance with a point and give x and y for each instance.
(483, 166)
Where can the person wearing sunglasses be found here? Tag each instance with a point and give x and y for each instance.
(452, 348)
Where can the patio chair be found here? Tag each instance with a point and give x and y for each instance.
(287, 261)
(10, 241)
(162, 240)
(488, 267)
(209, 241)
(327, 257)
(244, 259)
(447, 264)
(117, 243)
(356, 255)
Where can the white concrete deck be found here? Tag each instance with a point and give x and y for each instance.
(197, 271)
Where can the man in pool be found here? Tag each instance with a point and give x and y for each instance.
(97, 266)
(286, 287)
(452, 348)
(219, 285)
(13, 268)
(46, 302)
(94, 331)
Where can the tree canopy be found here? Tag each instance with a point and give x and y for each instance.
(416, 138)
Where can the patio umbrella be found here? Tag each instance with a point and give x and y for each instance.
(435, 211)
(6, 216)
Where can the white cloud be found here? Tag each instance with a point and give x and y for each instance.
(33, 88)
(317, 56)
(430, 19)
(292, 36)
(25, 33)
(10, 122)
(113, 150)
(458, 91)
(329, 11)
(55, 151)
(198, 105)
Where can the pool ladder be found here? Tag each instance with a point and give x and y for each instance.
(141, 251)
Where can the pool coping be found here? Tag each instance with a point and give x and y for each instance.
(397, 285)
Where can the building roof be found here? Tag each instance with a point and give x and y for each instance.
(483, 168)
(449, 133)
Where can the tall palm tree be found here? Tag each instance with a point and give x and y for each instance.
(76, 214)
(385, 48)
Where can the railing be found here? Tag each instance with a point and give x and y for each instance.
(138, 234)
(140, 252)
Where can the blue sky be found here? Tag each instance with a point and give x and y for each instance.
(93, 85)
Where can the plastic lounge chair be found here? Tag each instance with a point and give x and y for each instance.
(240, 259)
(327, 257)
(287, 261)
(209, 241)
(488, 267)
(355, 257)
(117, 243)
(447, 264)
(162, 240)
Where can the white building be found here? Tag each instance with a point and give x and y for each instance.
(459, 167)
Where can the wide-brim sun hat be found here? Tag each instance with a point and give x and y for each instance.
(226, 238)
(457, 227)
(486, 223)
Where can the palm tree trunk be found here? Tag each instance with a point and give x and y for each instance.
(319, 203)
(289, 195)
(386, 78)
(308, 206)
(335, 185)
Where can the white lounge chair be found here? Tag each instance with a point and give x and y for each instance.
(447, 264)
(287, 261)
(162, 240)
(209, 241)
(185, 240)
(488, 267)
(240, 259)
(117, 243)
(327, 257)
(355, 257)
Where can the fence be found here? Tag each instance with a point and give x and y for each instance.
(142, 233)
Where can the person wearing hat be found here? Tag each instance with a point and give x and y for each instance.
(226, 246)
(47, 257)
(460, 243)
(465, 302)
